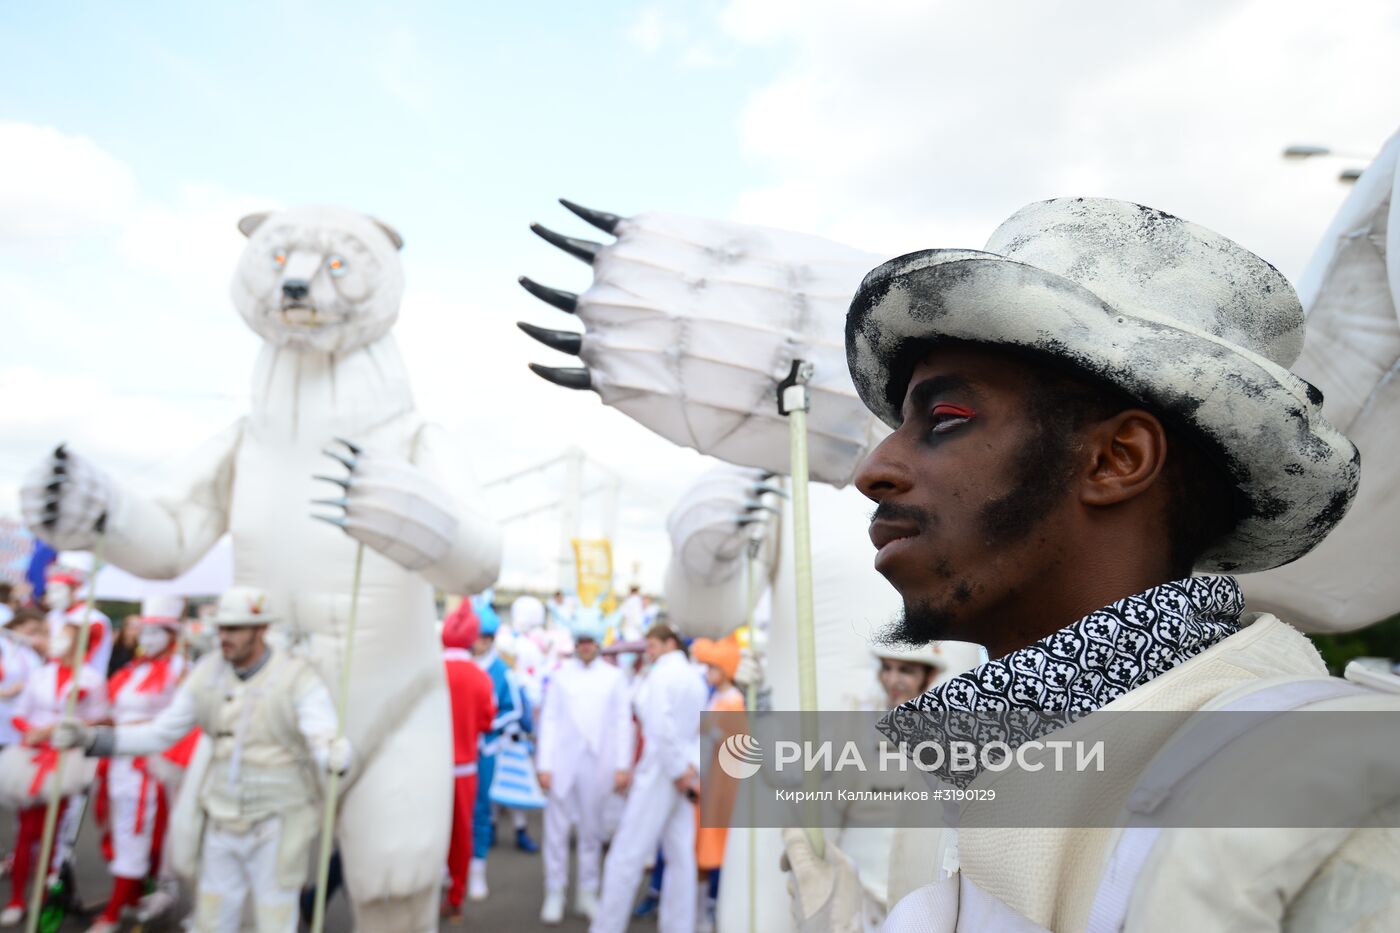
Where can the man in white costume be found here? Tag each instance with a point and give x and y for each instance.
(584, 748)
(332, 420)
(660, 806)
(136, 802)
(1093, 423)
(272, 727)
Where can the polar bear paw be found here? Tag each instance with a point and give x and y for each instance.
(689, 325)
(391, 506)
(65, 500)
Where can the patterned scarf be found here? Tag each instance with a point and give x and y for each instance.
(1072, 672)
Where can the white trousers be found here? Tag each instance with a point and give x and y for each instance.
(655, 814)
(582, 808)
(235, 865)
(131, 847)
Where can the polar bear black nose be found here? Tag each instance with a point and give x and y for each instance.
(295, 289)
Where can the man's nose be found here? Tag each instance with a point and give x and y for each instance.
(885, 472)
(295, 289)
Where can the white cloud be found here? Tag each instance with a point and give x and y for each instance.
(915, 124)
(55, 186)
(648, 30)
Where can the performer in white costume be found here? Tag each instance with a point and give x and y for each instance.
(136, 803)
(660, 806)
(272, 726)
(322, 287)
(64, 592)
(584, 759)
(28, 770)
(18, 658)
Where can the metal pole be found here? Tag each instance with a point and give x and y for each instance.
(70, 707)
(794, 401)
(323, 864)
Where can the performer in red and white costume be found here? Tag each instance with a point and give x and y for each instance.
(473, 708)
(65, 597)
(132, 800)
(26, 770)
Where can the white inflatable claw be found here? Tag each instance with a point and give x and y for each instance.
(691, 323)
(391, 506)
(64, 500)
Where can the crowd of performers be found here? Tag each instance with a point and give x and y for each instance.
(596, 720)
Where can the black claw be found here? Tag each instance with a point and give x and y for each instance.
(579, 249)
(342, 502)
(342, 482)
(564, 301)
(55, 486)
(745, 520)
(601, 219)
(565, 341)
(60, 452)
(569, 377)
(354, 448)
(347, 462)
(762, 488)
(761, 507)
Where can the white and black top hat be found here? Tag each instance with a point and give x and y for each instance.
(1188, 322)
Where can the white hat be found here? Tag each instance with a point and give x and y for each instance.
(162, 610)
(930, 654)
(1172, 314)
(526, 614)
(243, 605)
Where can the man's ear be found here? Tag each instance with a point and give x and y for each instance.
(248, 224)
(1127, 453)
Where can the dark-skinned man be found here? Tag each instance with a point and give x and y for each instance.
(1085, 414)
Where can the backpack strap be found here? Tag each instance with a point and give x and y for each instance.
(1196, 744)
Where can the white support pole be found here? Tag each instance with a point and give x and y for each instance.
(794, 401)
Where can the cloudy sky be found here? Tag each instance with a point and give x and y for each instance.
(132, 137)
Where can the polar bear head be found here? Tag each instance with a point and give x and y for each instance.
(318, 278)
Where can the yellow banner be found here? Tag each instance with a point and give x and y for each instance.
(593, 561)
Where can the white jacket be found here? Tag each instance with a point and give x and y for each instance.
(585, 722)
(1194, 879)
(669, 702)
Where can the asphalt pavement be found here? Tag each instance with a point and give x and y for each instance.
(515, 880)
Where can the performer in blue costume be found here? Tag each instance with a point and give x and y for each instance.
(512, 718)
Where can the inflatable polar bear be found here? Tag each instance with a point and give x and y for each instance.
(322, 287)
(689, 324)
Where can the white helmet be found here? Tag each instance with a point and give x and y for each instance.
(162, 610)
(243, 605)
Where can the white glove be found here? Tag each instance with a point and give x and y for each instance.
(392, 506)
(690, 324)
(339, 756)
(749, 671)
(72, 733)
(826, 892)
(64, 500)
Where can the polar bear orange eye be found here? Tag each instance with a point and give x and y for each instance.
(337, 265)
(279, 257)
